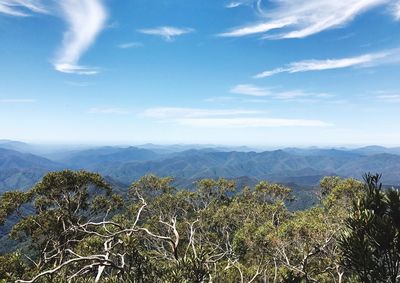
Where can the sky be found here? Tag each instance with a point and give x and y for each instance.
(242, 72)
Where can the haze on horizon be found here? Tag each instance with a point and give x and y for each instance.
(270, 73)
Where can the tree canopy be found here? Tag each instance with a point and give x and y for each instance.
(79, 230)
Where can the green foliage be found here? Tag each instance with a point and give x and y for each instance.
(79, 231)
(215, 190)
(12, 267)
(11, 202)
(371, 242)
(340, 193)
(151, 186)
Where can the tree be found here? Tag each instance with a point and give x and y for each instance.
(62, 202)
(78, 231)
(12, 267)
(371, 242)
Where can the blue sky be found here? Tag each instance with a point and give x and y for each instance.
(269, 73)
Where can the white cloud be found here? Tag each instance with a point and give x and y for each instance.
(166, 32)
(239, 3)
(108, 111)
(21, 8)
(75, 69)
(257, 28)
(233, 5)
(224, 118)
(396, 10)
(251, 122)
(85, 19)
(365, 60)
(391, 98)
(220, 99)
(78, 84)
(130, 45)
(248, 89)
(304, 18)
(253, 90)
(296, 94)
(17, 100)
(177, 112)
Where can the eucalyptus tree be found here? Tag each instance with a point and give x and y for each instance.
(62, 202)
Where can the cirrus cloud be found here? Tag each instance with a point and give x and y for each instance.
(237, 118)
(85, 19)
(396, 10)
(287, 95)
(166, 32)
(129, 45)
(304, 18)
(251, 122)
(179, 112)
(21, 8)
(248, 89)
(390, 98)
(108, 110)
(365, 60)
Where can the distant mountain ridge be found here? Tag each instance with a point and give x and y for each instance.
(92, 157)
(14, 145)
(125, 164)
(278, 166)
(20, 170)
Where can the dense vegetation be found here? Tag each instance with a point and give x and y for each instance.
(80, 230)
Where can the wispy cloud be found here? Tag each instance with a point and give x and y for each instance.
(224, 118)
(239, 3)
(391, 98)
(396, 10)
(78, 84)
(257, 28)
(366, 60)
(248, 89)
(233, 5)
(21, 8)
(299, 94)
(220, 99)
(130, 45)
(167, 32)
(178, 112)
(85, 19)
(17, 101)
(251, 122)
(304, 18)
(291, 95)
(96, 110)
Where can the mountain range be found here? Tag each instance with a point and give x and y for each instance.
(21, 164)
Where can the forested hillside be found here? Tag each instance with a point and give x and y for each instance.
(82, 230)
(22, 170)
(301, 167)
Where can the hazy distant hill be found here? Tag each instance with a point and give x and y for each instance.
(271, 165)
(323, 152)
(371, 150)
(165, 149)
(15, 145)
(92, 158)
(21, 170)
(303, 167)
(387, 164)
